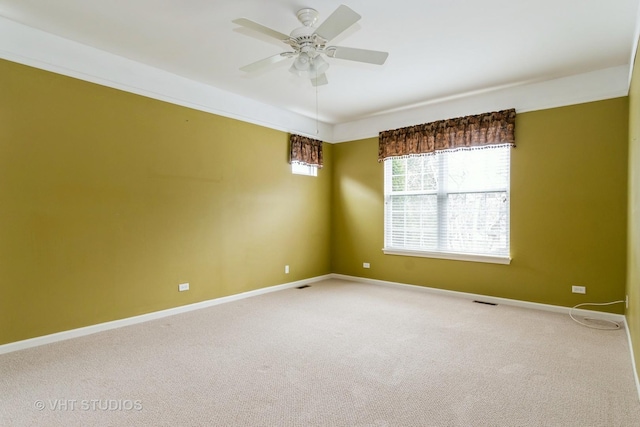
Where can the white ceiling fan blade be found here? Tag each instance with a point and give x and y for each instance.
(266, 62)
(247, 23)
(320, 80)
(360, 55)
(341, 19)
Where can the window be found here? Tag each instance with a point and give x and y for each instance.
(451, 204)
(302, 169)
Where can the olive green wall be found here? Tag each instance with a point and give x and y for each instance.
(633, 259)
(568, 213)
(109, 200)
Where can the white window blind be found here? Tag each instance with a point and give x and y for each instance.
(448, 203)
(302, 169)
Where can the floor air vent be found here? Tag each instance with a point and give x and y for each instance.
(303, 286)
(484, 302)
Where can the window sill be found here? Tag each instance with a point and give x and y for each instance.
(450, 256)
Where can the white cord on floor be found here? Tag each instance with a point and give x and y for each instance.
(616, 325)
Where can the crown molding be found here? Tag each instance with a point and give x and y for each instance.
(29, 46)
(36, 48)
(577, 89)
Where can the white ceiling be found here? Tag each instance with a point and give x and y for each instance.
(438, 49)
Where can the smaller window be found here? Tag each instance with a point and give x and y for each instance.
(301, 169)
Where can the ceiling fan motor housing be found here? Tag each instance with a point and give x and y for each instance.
(305, 40)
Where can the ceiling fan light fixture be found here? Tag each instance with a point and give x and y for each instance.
(308, 67)
(301, 65)
(318, 66)
(294, 70)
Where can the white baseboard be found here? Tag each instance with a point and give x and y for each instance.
(633, 359)
(88, 330)
(485, 298)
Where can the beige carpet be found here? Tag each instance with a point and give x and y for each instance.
(334, 354)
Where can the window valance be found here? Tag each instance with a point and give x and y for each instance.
(478, 131)
(306, 151)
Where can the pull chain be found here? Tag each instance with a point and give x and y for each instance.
(317, 127)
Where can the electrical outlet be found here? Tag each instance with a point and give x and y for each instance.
(579, 289)
(286, 269)
(366, 265)
(183, 287)
(626, 301)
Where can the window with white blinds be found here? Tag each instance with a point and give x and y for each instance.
(451, 204)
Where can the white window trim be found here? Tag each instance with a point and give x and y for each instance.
(449, 255)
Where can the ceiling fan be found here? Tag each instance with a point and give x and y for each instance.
(309, 44)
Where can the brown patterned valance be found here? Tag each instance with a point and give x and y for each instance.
(482, 130)
(306, 151)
